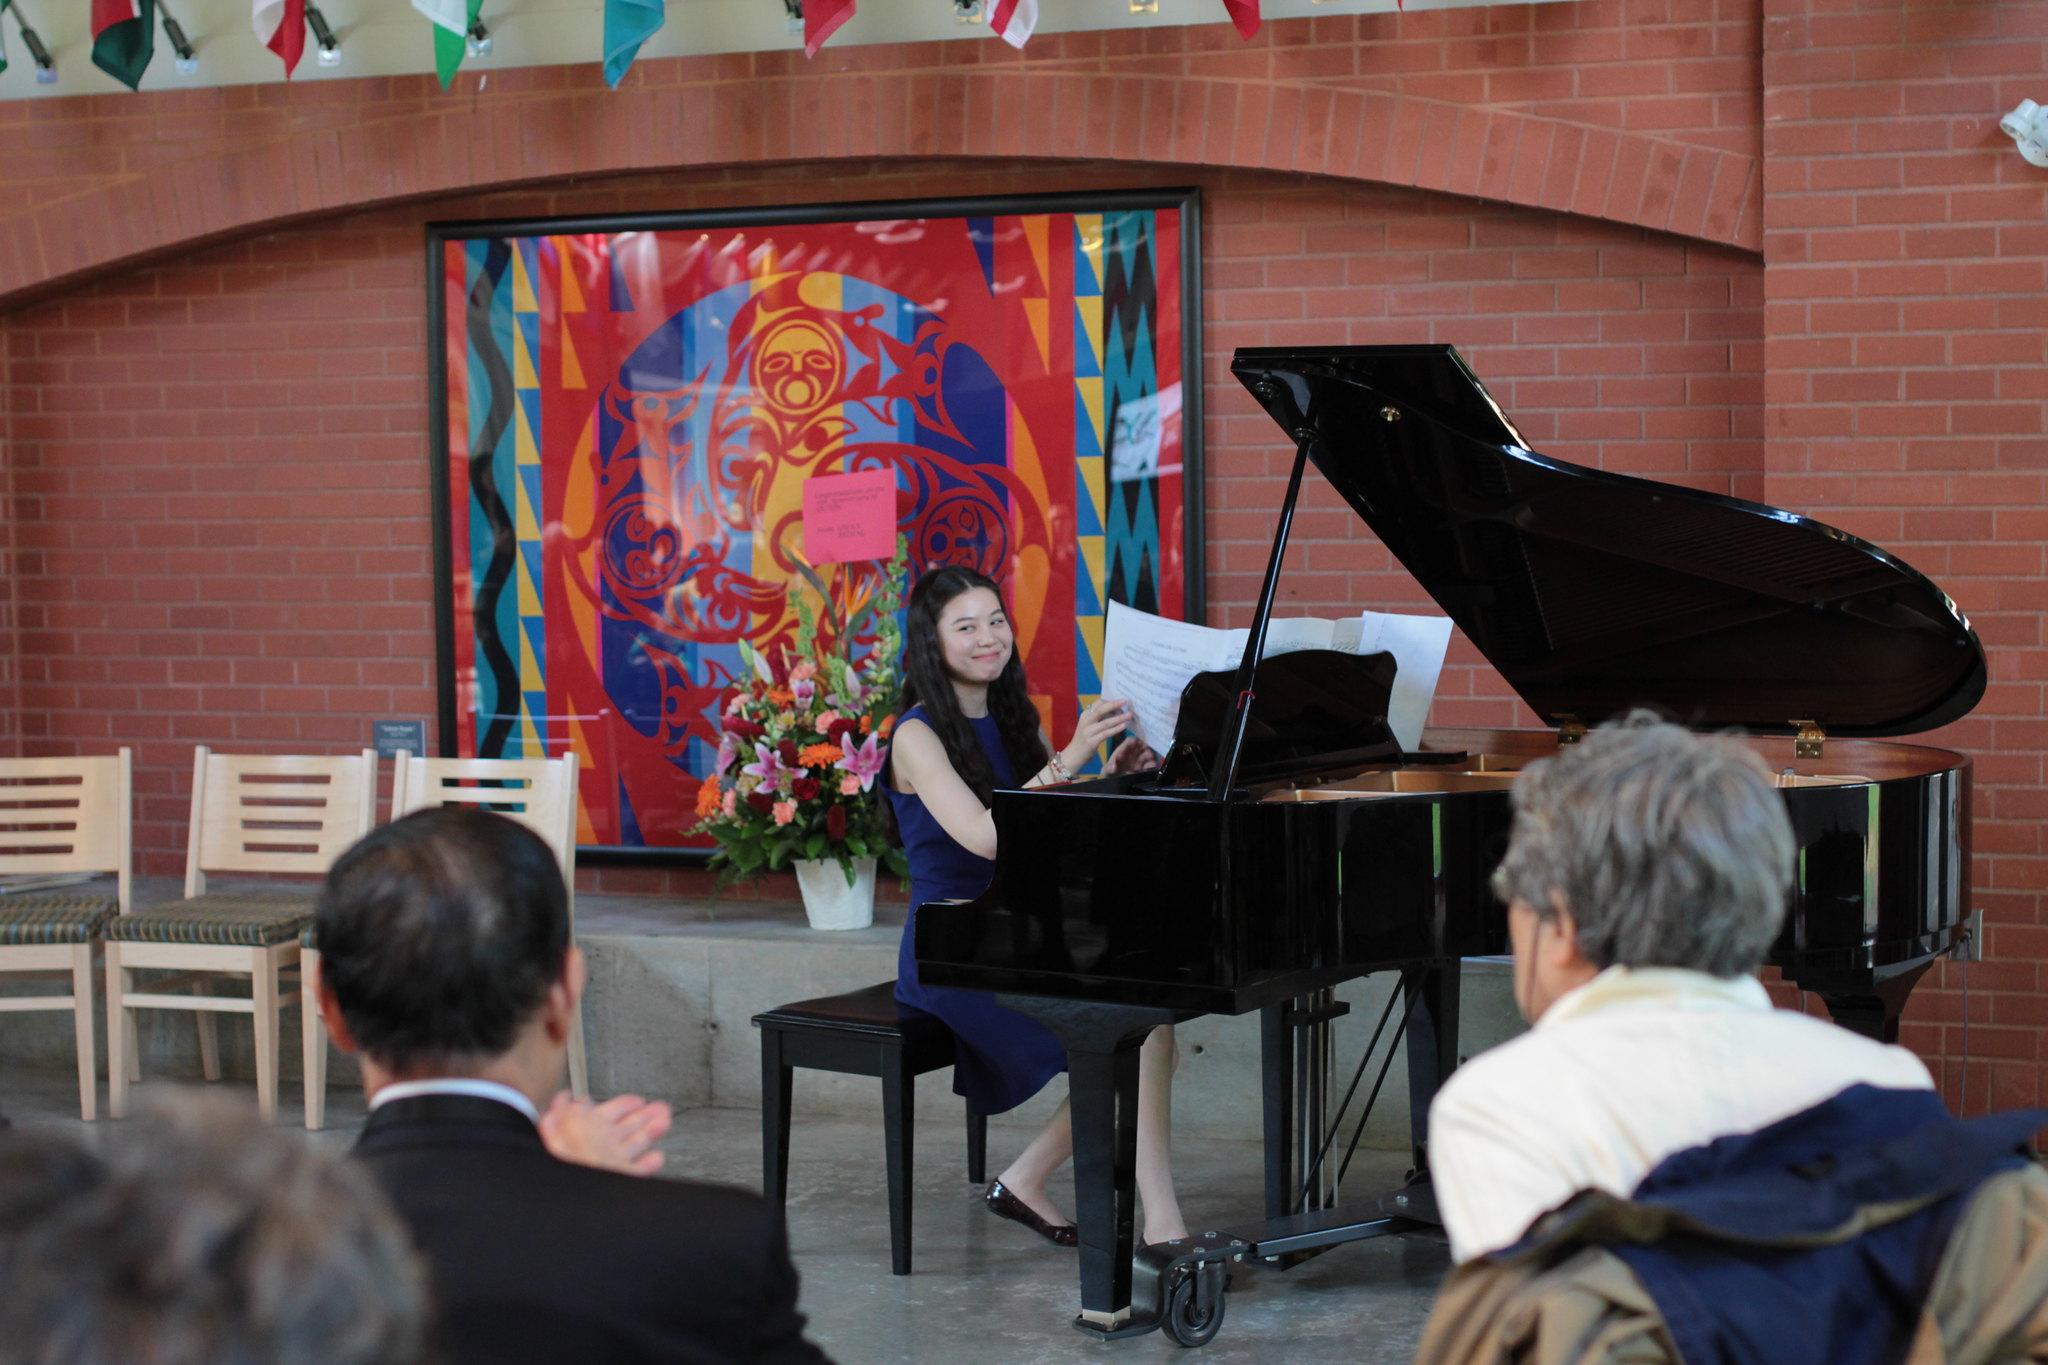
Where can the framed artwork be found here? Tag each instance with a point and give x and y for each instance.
(625, 411)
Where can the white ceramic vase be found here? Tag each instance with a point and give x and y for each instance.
(829, 901)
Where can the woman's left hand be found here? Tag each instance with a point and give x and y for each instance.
(1132, 756)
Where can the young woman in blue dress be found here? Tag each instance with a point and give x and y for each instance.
(967, 726)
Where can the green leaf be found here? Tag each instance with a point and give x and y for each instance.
(814, 847)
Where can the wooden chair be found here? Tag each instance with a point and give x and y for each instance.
(539, 793)
(260, 814)
(60, 817)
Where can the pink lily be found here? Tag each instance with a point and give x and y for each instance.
(767, 766)
(863, 761)
(726, 754)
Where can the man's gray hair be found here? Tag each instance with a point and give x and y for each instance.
(1669, 849)
(202, 1235)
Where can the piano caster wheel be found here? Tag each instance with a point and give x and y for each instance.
(1194, 1304)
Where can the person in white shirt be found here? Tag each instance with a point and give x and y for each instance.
(1645, 878)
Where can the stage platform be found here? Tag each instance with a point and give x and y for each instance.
(674, 984)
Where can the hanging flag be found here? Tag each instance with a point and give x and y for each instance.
(822, 19)
(124, 38)
(1245, 14)
(1013, 20)
(627, 24)
(453, 19)
(281, 26)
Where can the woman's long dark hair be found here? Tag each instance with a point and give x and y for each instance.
(926, 683)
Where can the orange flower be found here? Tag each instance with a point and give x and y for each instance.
(707, 798)
(866, 724)
(781, 696)
(819, 755)
(888, 724)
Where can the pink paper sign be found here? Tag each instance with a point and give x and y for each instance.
(850, 516)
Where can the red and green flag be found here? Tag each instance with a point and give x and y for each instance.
(453, 19)
(124, 38)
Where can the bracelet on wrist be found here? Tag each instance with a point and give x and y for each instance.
(1059, 769)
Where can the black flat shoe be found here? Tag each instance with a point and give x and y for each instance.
(1003, 1204)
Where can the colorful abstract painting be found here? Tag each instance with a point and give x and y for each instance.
(626, 413)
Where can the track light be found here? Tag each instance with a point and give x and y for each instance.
(2027, 125)
(46, 65)
(478, 39)
(967, 11)
(795, 10)
(323, 37)
(186, 60)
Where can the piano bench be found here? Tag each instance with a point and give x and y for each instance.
(860, 1033)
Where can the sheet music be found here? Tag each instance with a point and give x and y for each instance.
(1148, 660)
(1417, 644)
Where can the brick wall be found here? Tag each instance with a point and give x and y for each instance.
(1906, 329)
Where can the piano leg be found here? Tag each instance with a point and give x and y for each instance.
(1432, 991)
(1102, 1044)
(1276, 1056)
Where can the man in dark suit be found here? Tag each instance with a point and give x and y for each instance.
(446, 964)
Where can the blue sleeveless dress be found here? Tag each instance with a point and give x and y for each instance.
(1004, 1058)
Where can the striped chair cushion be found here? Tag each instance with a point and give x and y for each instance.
(41, 920)
(233, 919)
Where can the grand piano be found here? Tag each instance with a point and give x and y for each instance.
(1289, 844)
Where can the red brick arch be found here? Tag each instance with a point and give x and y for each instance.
(410, 147)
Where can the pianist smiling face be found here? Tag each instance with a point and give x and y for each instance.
(975, 636)
(1645, 846)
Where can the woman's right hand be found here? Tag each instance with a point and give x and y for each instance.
(1102, 720)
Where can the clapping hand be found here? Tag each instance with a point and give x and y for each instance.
(618, 1135)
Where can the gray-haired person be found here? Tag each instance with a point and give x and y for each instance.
(201, 1234)
(1645, 879)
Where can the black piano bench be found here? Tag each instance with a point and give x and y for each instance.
(861, 1033)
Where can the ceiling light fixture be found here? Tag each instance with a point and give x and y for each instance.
(186, 59)
(323, 37)
(46, 65)
(2027, 126)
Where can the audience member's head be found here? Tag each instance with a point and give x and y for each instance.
(203, 1236)
(1644, 845)
(444, 948)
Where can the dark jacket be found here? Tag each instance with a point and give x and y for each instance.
(538, 1260)
(1831, 1236)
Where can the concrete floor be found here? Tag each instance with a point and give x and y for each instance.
(985, 1290)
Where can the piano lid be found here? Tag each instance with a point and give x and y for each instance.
(1594, 592)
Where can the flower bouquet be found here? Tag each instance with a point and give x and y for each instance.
(801, 747)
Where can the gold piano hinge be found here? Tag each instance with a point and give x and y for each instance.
(1807, 743)
(1570, 729)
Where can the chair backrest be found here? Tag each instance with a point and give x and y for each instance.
(62, 815)
(539, 793)
(276, 813)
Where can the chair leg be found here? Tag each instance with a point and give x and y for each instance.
(120, 1035)
(88, 1045)
(313, 1039)
(775, 1097)
(899, 1127)
(977, 1147)
(263, 974)
(209, 1038)
(134, 1046)
(579, 1064)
